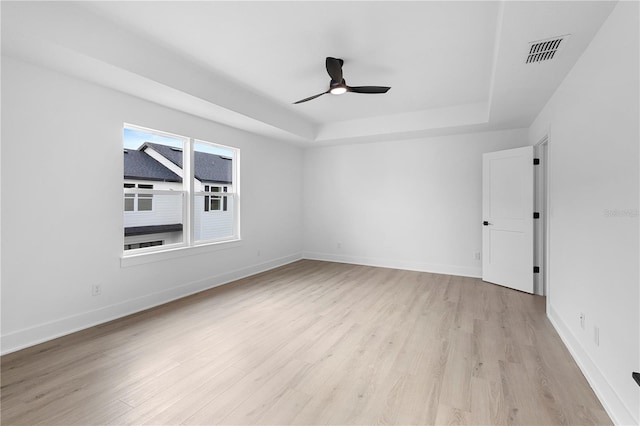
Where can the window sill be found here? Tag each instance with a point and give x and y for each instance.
(174, 253)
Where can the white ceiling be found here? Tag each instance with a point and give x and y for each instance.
(453, 66)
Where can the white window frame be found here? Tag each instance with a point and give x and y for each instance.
(188, 201)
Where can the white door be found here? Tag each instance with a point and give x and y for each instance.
(507, 209)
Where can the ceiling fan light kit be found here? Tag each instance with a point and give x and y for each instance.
(338, 89)
(338, 86)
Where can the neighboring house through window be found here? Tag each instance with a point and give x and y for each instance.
(161, 207)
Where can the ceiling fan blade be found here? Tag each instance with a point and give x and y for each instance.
(334, 68)
(310, 98)
(369, 89)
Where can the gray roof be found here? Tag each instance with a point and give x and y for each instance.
(208, 167)
(139, 165)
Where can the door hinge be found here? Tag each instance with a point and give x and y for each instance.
(536, 161)
(536, 269)
(536, 215)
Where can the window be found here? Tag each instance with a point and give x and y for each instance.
(129, 199)
(178, 191)
(145, 201)
(215, 202)
(143, 244)
(138, 202)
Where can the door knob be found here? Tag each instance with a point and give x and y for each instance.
(485, 223)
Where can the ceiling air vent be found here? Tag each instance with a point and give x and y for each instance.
(544, 50)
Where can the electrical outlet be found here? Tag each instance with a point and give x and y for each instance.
(596, 335)
(96, 290)
(339, 245)
(476, 255)
(258, 253)
(582, 320)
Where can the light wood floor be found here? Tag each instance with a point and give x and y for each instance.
(312, 343)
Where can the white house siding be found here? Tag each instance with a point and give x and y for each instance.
(212, 225)
(166, 209)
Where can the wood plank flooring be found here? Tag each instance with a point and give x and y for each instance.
(311, 343)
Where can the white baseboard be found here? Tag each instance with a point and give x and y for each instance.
(610, 400)
(51, 330)
(462, 271)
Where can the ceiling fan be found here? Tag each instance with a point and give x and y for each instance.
(338, 86)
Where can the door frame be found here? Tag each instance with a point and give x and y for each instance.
(542, 184)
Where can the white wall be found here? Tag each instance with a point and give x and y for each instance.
(62, 138)
(592, 123)
(413, 204)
